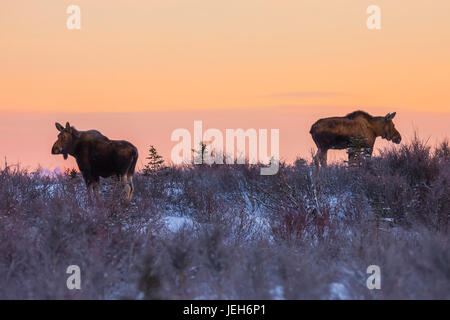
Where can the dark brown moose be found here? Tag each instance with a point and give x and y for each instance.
(97, 156)
(342, 132)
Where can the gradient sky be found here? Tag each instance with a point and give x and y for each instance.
(138, 70)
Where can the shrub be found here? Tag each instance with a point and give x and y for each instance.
(304, 233)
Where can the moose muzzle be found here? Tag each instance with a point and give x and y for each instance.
(59, 150)
(56, 150)
(397, 140)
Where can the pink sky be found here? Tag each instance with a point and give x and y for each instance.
(137, 70)
(27, 137)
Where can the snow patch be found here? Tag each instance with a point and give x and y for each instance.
(174, 224)
(339, 291)
(277, 293)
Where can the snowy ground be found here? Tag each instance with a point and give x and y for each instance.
(229, 233)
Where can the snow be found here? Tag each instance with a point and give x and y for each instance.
(49, 173)
(174, 224)
(277, 293)
(338, 291)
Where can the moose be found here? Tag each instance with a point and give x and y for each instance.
(341, 132)
(97, 156)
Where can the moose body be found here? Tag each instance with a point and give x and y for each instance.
(97, 156)
(341, 133)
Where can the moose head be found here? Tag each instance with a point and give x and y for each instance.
(388, 130)
(64, 144)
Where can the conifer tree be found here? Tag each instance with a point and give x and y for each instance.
(200, 154)
(155, 162)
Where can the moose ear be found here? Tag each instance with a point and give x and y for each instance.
(67, 126)
(59, 127)
(390, 116)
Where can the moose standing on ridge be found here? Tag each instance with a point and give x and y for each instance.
(340, 133)
(97, 156)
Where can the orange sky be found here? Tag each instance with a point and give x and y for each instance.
(218, 61)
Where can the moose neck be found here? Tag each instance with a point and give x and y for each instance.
(75, 141)
(377, 126)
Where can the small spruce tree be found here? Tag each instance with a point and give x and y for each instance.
(71, 173)
(155, 162)
(200, 154)
(358, 151)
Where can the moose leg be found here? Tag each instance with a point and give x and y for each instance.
(92, 190)
(318, 158)
(127, 188)
(89, 184)
(323, 157)
(95, 186)
(130, 183)
(351, 158)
